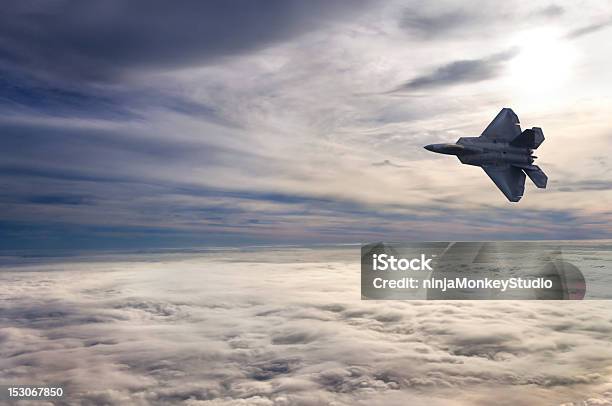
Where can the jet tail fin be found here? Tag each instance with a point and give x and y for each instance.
(537, 176)
(531, 138)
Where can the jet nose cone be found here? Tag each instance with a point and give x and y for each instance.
(429, 147)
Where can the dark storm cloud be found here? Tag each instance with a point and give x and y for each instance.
(588, 29)
(89, 40)
(463, 71)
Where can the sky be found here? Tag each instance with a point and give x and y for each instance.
(151, 124)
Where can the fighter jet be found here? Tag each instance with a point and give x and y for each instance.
(503, 151)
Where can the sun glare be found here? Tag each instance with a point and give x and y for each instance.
(544, 61)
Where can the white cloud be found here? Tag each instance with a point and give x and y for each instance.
(285, 326)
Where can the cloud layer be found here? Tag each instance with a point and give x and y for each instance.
(285, 327)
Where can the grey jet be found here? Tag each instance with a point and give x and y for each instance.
(503, 151)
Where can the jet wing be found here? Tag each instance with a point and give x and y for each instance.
(509, 179)
(504, 128)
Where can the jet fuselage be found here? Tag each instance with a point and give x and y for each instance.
(475, 151)
(503, 151)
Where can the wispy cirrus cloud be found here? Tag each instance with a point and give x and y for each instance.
(462, 71)
(589, 29)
